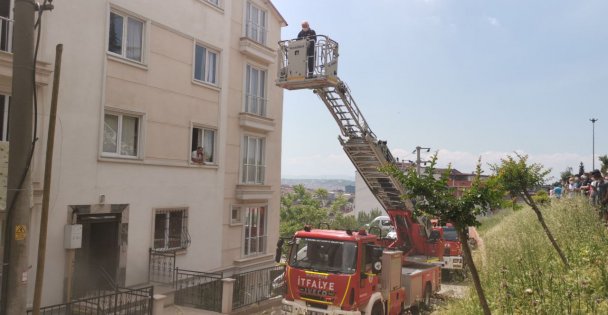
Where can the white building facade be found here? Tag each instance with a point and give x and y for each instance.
(143, 85)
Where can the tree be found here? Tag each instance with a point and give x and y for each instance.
(299, 208)
(519, 178)
(364, 218)
(565, 175)
(437, 199)
(604, 160)
(581, 169)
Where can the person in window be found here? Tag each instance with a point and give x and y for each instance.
(311, 37)
(198, 156)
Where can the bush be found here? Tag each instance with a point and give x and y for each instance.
(541, 198)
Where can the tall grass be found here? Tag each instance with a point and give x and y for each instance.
(522, 274)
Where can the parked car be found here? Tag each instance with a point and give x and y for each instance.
(384, 224)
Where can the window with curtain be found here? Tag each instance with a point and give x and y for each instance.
(125, 37)
(255, 91)
(253, 167)
(205, 64)
(204, 137)
(254, 241)
(255, 25)
(121, 135)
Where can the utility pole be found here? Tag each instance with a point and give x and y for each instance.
(15, 260)
(593, 120)
(418, 161)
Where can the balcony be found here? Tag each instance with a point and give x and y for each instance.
(253, 45)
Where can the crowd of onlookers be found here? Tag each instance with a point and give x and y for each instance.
(593, 186)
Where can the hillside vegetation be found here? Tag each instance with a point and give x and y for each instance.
(522, 274)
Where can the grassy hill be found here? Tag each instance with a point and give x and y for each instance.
(522, 274)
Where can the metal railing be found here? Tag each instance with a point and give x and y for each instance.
(255, 104)
(198, 289)
(161, 266)
(6, 34)
(259, 285)
(127, 301)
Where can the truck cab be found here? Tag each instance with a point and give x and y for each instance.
(344, 272)
(330, 270)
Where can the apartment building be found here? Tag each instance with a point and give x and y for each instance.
(143, 85)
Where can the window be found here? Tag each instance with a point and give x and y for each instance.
(202, 137)
(235, 215)
(214, 2)
(255, 231)
(121, 135)
(255, 91)
(256, 23)
(4, 104)
(171, 229)
(253, 160)
(205, 64)
(126, 36)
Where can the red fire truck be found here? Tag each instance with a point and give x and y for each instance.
(346, 272)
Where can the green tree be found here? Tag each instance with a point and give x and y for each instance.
(322, 195)
(364, 218)
(299, 208)
(604, 160)
(566, 174)
(519, 177)
(435, 198)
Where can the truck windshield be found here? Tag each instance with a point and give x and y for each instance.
(324, 255)
(449, 234)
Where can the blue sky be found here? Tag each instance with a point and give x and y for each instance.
(467, 78)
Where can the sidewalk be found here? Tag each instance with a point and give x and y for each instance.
(182, 310)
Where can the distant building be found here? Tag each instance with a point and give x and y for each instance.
(349, 189)
(365, 201)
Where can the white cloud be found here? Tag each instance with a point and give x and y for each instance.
(493, 21)
(467, 161)
(337, 165)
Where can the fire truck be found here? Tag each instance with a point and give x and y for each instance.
(355, 272)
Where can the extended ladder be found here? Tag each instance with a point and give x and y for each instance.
(365, 151)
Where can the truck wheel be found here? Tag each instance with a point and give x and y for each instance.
(377, 309)
(426, 301)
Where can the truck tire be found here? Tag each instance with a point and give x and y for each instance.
(377, 309)
(426, 300)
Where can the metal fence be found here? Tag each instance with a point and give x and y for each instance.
(259, 285)
(198, 289)
(161, 266)
(126, 301)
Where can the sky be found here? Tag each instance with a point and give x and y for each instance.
(466, 78)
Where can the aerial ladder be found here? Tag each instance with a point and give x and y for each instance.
(415, 236)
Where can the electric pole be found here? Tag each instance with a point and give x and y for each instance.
(418, 161)
(18, 207)
(593, 120)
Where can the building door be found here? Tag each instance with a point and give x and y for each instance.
(96, 264)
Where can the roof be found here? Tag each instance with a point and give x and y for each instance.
(335, 235)
(276, 12)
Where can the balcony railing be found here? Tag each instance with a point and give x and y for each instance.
(255, 105)
(6, 34)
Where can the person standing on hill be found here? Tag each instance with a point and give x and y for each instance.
(311, 37)
(601, 193)
(557, 191)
